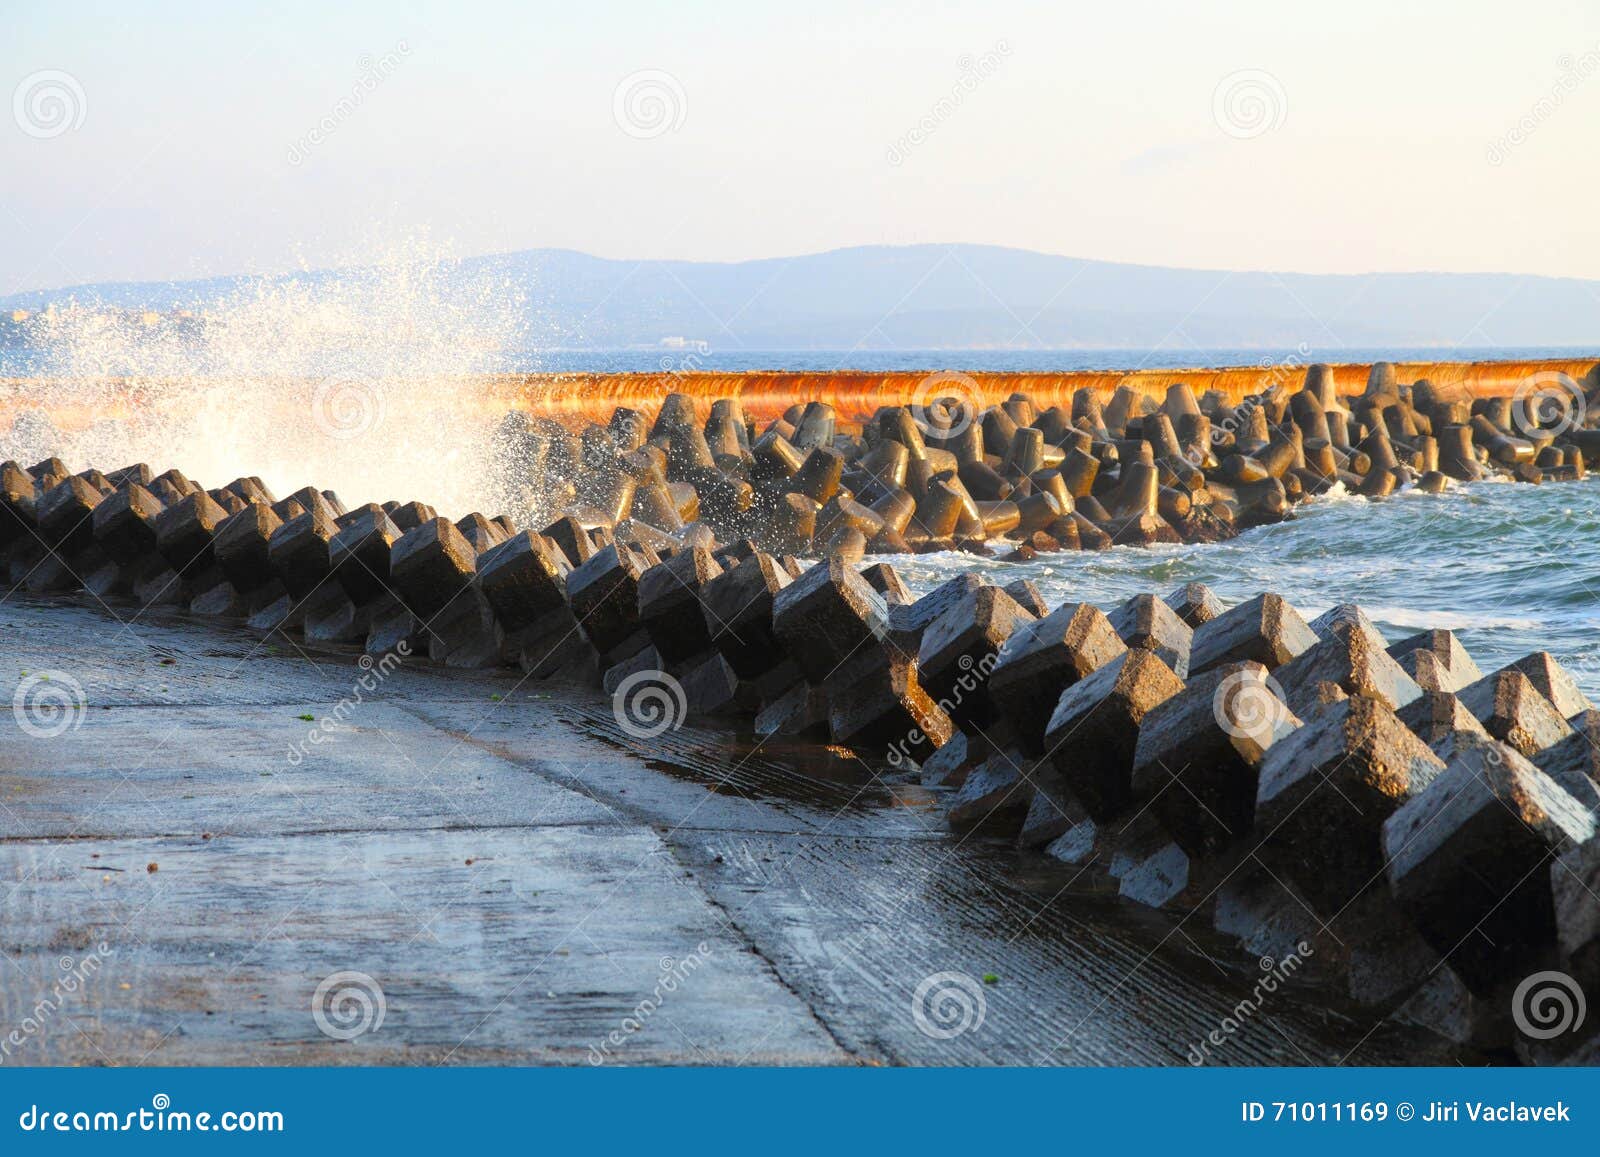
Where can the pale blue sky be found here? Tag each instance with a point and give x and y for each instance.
(1386, 140)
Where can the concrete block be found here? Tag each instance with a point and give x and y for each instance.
(1264, 630)
(1094, 729)
(737, 608)
(961, 648)
(604, 596)
(298, 551)
(1351, 656)
(887, 714)
(1436, 660)
(995, 797)
(1512, 710)
(1440, 720)
(1324, 792)
(671, 608)
(242, 549)
(827, 616)
(1552, 681)
(1468, 862)
(523, 579)
(359, 554)
(1199, 753)
(430, 567)
(184, 533)
(1147, 622)
(1042, 659)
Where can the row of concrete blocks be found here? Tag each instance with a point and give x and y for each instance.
(941, 476)
(472, 593)
(1430, 828)
(1393, 792)
(303, 564)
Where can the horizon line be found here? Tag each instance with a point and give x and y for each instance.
(445, 259)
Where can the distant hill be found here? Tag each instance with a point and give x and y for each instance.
(974, 297)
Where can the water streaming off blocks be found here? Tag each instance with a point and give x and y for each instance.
(366, 380)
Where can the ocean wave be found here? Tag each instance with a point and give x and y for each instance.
(1512, 568)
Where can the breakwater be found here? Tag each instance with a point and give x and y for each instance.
(857, 395)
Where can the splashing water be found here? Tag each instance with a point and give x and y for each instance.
(374, 381)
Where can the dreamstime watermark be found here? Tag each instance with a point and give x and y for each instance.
(1280, 371)
(973, 674)
(75, 975)
(649, 103)
(48, 704)
(632, 427)
(1584, 666)
(690, 359)
(973, 72)
(1547, 1005)
(348, 1004)
(160, 1117)
(648, 703)
(346, 407)
(946, 1005)
(673, 974)
(946, 404)
(370, 73)
(1249, 704)
(1571, 73)
(1549, 404)
(1273, 974)
(49, 104)
(878, 620)
(1249, 103)
(374, 672)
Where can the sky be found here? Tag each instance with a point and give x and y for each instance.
(173, 140)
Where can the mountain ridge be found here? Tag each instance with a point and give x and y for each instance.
(957, 296)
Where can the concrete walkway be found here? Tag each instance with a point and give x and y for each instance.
(516, 880)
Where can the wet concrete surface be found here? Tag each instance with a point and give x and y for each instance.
(525, 882)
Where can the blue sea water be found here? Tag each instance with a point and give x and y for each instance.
(1003, 361)
(1512, 568)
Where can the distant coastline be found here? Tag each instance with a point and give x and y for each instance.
(890, 298)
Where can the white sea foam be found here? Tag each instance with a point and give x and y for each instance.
(1427, 620)
(368, 381)
(1338, 492)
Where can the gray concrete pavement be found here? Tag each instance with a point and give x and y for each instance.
(526, 883)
